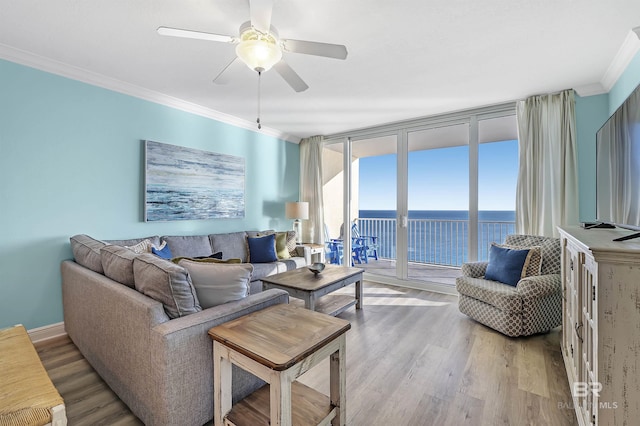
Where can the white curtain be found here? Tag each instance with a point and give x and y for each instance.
(311, 188)
(547, 190)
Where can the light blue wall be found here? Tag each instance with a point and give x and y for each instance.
(71, 161)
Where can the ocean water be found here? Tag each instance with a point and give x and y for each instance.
(439, 237)
(483, 215)
(169, 203)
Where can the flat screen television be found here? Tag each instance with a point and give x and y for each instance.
(618, 167)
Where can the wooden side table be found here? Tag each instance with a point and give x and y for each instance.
(316, 251)
(278, 344)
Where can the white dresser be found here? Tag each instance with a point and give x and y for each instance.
(601, 324)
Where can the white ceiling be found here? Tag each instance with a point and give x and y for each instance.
(408, 58)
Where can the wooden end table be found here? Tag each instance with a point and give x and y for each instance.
(278, 344)
(302, 284)
(316, 251)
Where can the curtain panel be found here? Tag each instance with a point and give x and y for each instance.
(311, 188)
(547, 189)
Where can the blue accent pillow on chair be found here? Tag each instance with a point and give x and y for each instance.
(505, 265)
(262, 249)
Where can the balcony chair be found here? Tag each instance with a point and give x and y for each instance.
(370, 242)
(358, 246)
(334, 249)
(532, 304)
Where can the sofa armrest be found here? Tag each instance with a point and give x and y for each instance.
(181, 361)
(474, 269)
(220, 314)
(539, 286)
(304, 251)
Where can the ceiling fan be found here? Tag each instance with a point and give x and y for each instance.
(260, 47)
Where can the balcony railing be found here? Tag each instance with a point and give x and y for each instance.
(435, 241)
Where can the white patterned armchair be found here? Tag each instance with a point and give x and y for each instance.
(533, 306)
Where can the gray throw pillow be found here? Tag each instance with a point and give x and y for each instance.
(167, 283)
(86, 252)
(117, 263)
(232, 245)
(189, 246)
(218, 283)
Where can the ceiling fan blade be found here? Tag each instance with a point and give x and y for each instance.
(261, 14)
(337, 51)
(223, 76)
(290, 76)
(177, 32)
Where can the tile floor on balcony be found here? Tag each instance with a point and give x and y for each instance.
(417, 271)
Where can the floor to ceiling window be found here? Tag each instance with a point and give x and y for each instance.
(434, 192)
(438, 201)
(497, 176)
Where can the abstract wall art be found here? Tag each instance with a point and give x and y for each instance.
(185, 183)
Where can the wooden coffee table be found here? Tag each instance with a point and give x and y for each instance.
(278, 344)
(303, 284)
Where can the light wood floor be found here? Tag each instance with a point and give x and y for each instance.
(412, 359)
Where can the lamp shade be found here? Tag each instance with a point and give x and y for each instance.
(297, 210)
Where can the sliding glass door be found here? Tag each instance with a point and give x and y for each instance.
(433, 193)
(374, 226)
(438, 202)
(497, 178)
(371, 190)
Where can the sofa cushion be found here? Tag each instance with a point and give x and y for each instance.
(261, 270)
(155, 240)
(206, 260)
(167, 283)
(86, 252)
(232, 245)
(254, 234)
(293, 263)
(502, 296)
(189, 246)
(218, 283)
(117, 262)
(262, 249)
(505, 264)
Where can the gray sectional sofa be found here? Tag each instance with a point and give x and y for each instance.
(158, 358)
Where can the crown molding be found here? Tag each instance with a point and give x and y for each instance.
(590, 90)
(42, 63)
(630, 46)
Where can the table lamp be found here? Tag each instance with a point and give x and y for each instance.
(297, 210)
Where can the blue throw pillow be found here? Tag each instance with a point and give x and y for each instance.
(505, 265)
(164, 253)
(262, 249)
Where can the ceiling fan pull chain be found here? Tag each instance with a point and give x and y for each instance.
(259, 80)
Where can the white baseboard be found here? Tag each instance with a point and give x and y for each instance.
(47, 332)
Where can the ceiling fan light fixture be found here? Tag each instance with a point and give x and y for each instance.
(258, 51)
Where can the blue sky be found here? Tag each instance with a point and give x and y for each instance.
(439, 179)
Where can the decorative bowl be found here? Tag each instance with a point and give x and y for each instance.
(316, 267)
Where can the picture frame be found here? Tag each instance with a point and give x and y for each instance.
(187, 184)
